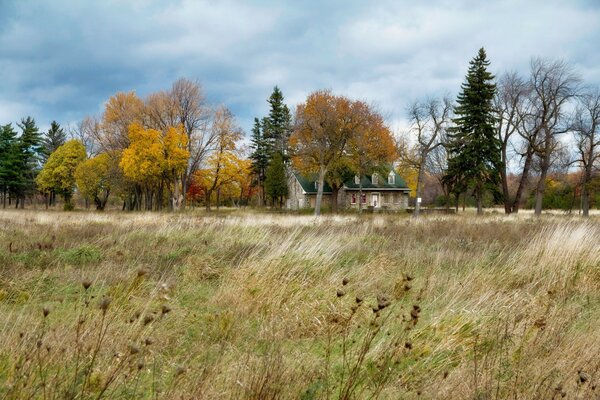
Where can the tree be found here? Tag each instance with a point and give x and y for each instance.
(510, 104)
(54, 138)
(370, 145)
(227, 134)
(10, 156)
(473, 147)
(155, 160)
(121, 110)
(94, 177)
(278, 127)
(30, 149)
(587, 138)
(553, 85)
(324, 125)
(260, 158)
(276, 181)
(58, 174)
(429, 121)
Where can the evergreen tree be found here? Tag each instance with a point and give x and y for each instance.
(473, 148)
(28, 165)
(279, 123)
(54, 138)
(276, 181)
(9, 162)
(260, 158)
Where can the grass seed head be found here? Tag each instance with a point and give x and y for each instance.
(46, 311)
(86, 283)
(104, 304)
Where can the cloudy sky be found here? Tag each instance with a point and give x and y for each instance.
(62, 59)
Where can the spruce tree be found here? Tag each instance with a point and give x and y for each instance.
(279, 123)
(30, 148)
(474, 150)
(10, 156)
(54, 138)
(276, 180)
(260, 158)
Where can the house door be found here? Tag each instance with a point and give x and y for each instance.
(375, 200)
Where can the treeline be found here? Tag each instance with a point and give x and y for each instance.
(504, 140)
(508, 139)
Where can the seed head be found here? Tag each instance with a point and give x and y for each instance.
(180, 370)
(46, 311)
(345, 281)
(340, 293)
(140, 365)
(133, 349)
(148, 318)
(142, 272)
(359, 299)
(86, 283)
(165, 309)
(148, 341)
(104, 304)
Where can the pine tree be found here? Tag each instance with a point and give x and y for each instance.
(9, 162)
(28, 165)
(474, 150)
(276, 181)
(260, 158)
(54, 138)
(279, 124)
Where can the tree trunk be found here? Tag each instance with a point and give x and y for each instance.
(504, 178)
(322, 171)
(334, 195)
(523, 181)
(418, 191)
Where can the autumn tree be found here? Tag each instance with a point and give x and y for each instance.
(429, 120)
(95, 177)
(221, 162)
(473, 146)
(586, 128)
(370, 145)
(58, 174)
(324, 125)
(121, 110)
(154, 160)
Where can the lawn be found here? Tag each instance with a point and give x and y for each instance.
(244, 305)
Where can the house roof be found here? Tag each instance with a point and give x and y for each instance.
(308, 184)
(367, 183)
(309, 187)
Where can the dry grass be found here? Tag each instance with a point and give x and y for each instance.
(267, 306)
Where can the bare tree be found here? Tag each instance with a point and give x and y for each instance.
(510, 103)
(429, 120)
(88, 131)
(585, 130)
(194, 114)
(553, 85)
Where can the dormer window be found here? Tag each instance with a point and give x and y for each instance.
(392, 178)
(375, 179)
(356, 180)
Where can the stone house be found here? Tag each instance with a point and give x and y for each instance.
(381, 192)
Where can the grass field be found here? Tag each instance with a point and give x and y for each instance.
(260, 306)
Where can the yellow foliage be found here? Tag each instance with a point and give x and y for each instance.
(153, 156)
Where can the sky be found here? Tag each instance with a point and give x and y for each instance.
(62, 59)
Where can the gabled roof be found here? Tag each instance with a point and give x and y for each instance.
(309, 187)
(308, 184)
(367, 183)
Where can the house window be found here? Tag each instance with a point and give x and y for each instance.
(353, 198)
(375, 179)
(356, 180)
(363, 198)
(391, 178)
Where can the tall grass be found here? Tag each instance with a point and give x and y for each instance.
(263, 306)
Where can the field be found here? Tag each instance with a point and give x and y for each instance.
(248, 305)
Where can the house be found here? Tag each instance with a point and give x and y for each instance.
(382, 192)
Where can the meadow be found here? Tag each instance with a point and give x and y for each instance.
(249, 305)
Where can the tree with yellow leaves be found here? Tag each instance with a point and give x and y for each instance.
(223, 165)
(95, 178)
(58, 174)
(154, 160)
